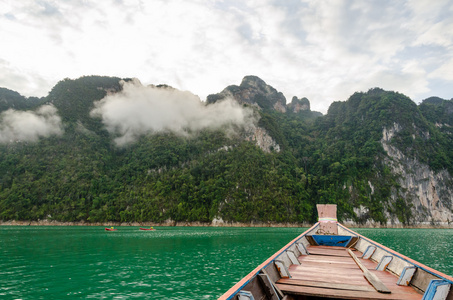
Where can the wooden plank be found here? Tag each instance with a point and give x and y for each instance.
(329, 276)
(329, 265)
(329, 285)
(368, 263)
(298, 274)
(336, 260)
(391, 279)
(325, 268)
(341, 278)
(328, 227)
(304, 274)
(335, 263)
(327, 216)
(344, 286)
(330, 248)
(342, 294)
(340, 269)
(288, 297)
(329, 252)
(326, 258)
(355, 281)
(372, 279)
(322, 281)
(327, 211)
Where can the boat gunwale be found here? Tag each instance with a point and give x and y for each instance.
(249, 277)
(244, 281)
(401, 256)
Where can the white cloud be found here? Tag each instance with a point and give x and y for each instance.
(138, 110)
(319, 49)
(29, 126)
(445, 71)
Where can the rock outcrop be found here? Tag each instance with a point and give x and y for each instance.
(298, 105)
(255, 92)
(263, 140)
(429, 192)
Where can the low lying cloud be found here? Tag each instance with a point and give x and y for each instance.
(29, 126)
(138, 110)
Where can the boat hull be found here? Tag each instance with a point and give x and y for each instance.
(316, 264)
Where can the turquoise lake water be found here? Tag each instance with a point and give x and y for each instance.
(170, 263)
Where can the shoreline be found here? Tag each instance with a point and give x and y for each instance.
(219, 224)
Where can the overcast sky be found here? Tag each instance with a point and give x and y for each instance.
(322, 50)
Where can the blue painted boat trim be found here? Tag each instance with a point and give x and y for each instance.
(396, 254)
(403, 273)
(332, 240)
(432, 288)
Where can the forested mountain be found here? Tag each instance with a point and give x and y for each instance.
(100, 149)
(12, 99)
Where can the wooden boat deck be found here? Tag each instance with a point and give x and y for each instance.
(330, 272)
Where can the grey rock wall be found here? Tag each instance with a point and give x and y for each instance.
(431, 193)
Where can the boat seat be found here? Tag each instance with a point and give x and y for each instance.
(385, 261)
(368, 252)
(406, 275)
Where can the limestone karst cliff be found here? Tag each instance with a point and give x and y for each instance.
(428, 192)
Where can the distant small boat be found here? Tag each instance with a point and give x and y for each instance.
(330, 261)
(110, 229)
(141, 228)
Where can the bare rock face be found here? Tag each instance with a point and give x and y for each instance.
(263, 140)
(254, 92)
(430, 192)
(298, 105)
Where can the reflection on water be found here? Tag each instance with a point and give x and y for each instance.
(172, 262)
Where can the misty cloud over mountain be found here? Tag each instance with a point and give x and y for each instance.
(29, 126)
(138, 110)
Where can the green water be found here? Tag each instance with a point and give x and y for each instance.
(170, 263)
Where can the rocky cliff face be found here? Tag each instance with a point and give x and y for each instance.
(263, 140)
(429, 192)
(255, 92)
(298, 105)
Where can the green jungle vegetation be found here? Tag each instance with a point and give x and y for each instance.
(83, 176)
